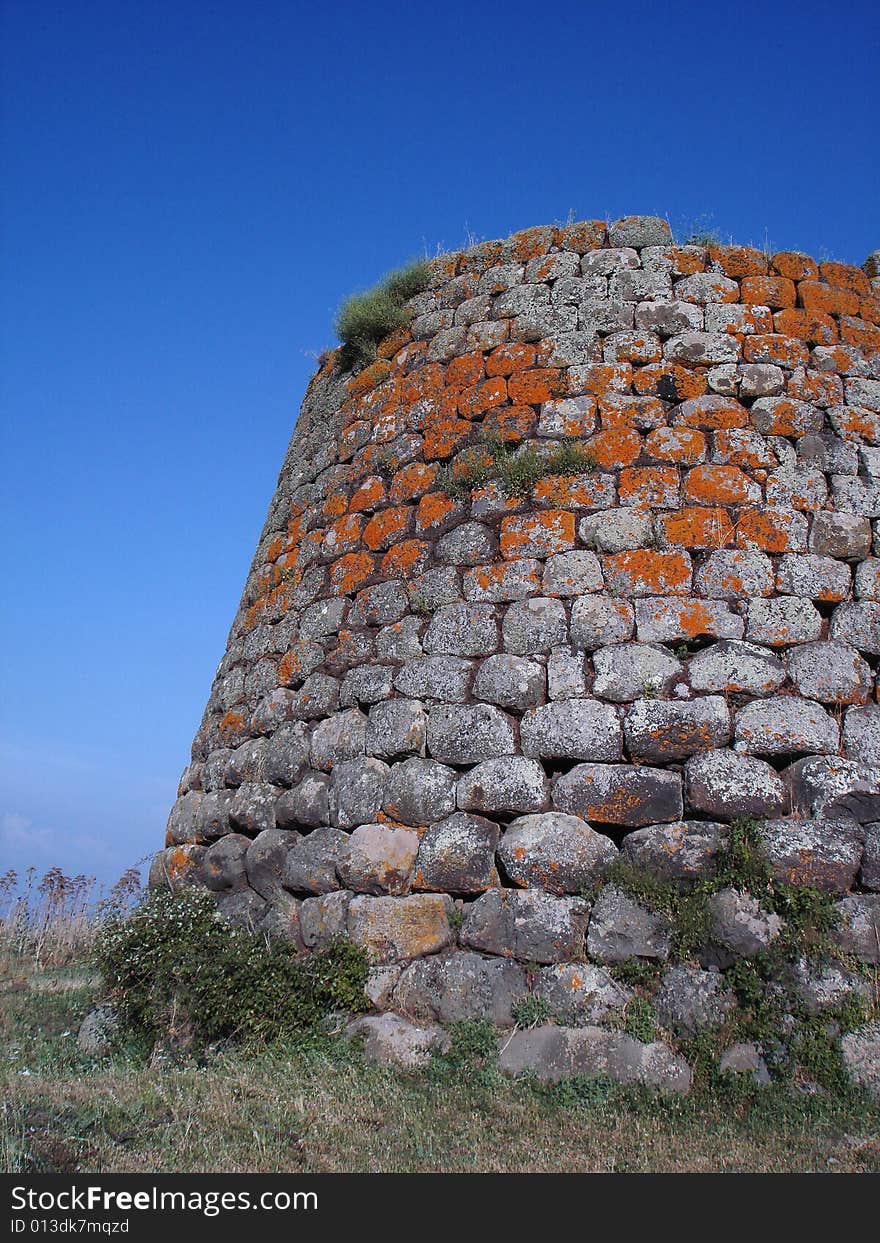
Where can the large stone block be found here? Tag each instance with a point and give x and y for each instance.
(398, 929)
(377, 859)
(663, 732)
(683, 850)
(469, 733)
(420, 791)
(512, 784)
(553, 1053)
(626, 671)
(726, 784)
(457, 855)
(529, 925)
(623, 794)
(620, 929)
(558, 853)
(577, 729)
(460, 986)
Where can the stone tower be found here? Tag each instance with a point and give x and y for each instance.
(586, 564)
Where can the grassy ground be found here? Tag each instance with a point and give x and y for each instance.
(319, 1108)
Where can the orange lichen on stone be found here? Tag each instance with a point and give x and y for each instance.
(396, 341)
(537, 535)
(275, 549)
(708, 417)
(821, 388)
(649, 485)
(718, 485)
(412, 481)
(465, 370)
(795, 266)
(510, 423)
(343, 535)
(670, 382)
(870, 309)
(635, 348)
(586, 491)
(772, 291)
(406, 559)
(443, 438)
(506, 580)
(775, 348)
(597, 379)
(863, 336)
(647, 572)
(368, 495)
(614, 448)
(771, 530)
(620, 410)
(231, 728)
(844, 276)
(739, 261)
(856, 423)
(818, 296)
(334, 506)
(370, 377)
(433, 510)
(478, 398)
(350, 572)
(531, 243)
(425, 382)
(697, 527)
(533, 387)
(737, 448)
(810, 326)
(582, 236)
(387, 526)
(676, 444)
(506, 359)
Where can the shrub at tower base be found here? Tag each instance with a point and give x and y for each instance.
(551, 701)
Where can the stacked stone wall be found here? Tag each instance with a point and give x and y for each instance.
(469, 672)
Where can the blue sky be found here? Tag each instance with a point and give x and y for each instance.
(191, 188)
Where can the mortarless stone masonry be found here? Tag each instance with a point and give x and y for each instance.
(442, 712)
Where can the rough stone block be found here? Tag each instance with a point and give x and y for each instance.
(579, 994)
(621, 929)
(626, 671)
(624, 794)
(725, 784)
(510, 681)
(396, 728)
(663, 732)
(683, 850)
(467, 734)
(420, 791)
(457, 855)
(691, 1001)
(460, 986)
(553, 1053)
(819, 854)
(572, 729)
(399, 929)
(526, 924)
(785, 726)
(534, 626)
(555, 852)
(512, 784)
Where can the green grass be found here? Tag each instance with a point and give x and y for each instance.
(316, 1106)
(366, 319)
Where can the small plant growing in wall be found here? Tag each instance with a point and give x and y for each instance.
(367, 318)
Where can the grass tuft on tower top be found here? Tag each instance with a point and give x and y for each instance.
(367, 318)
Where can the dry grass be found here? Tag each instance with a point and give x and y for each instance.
(319, 1108)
